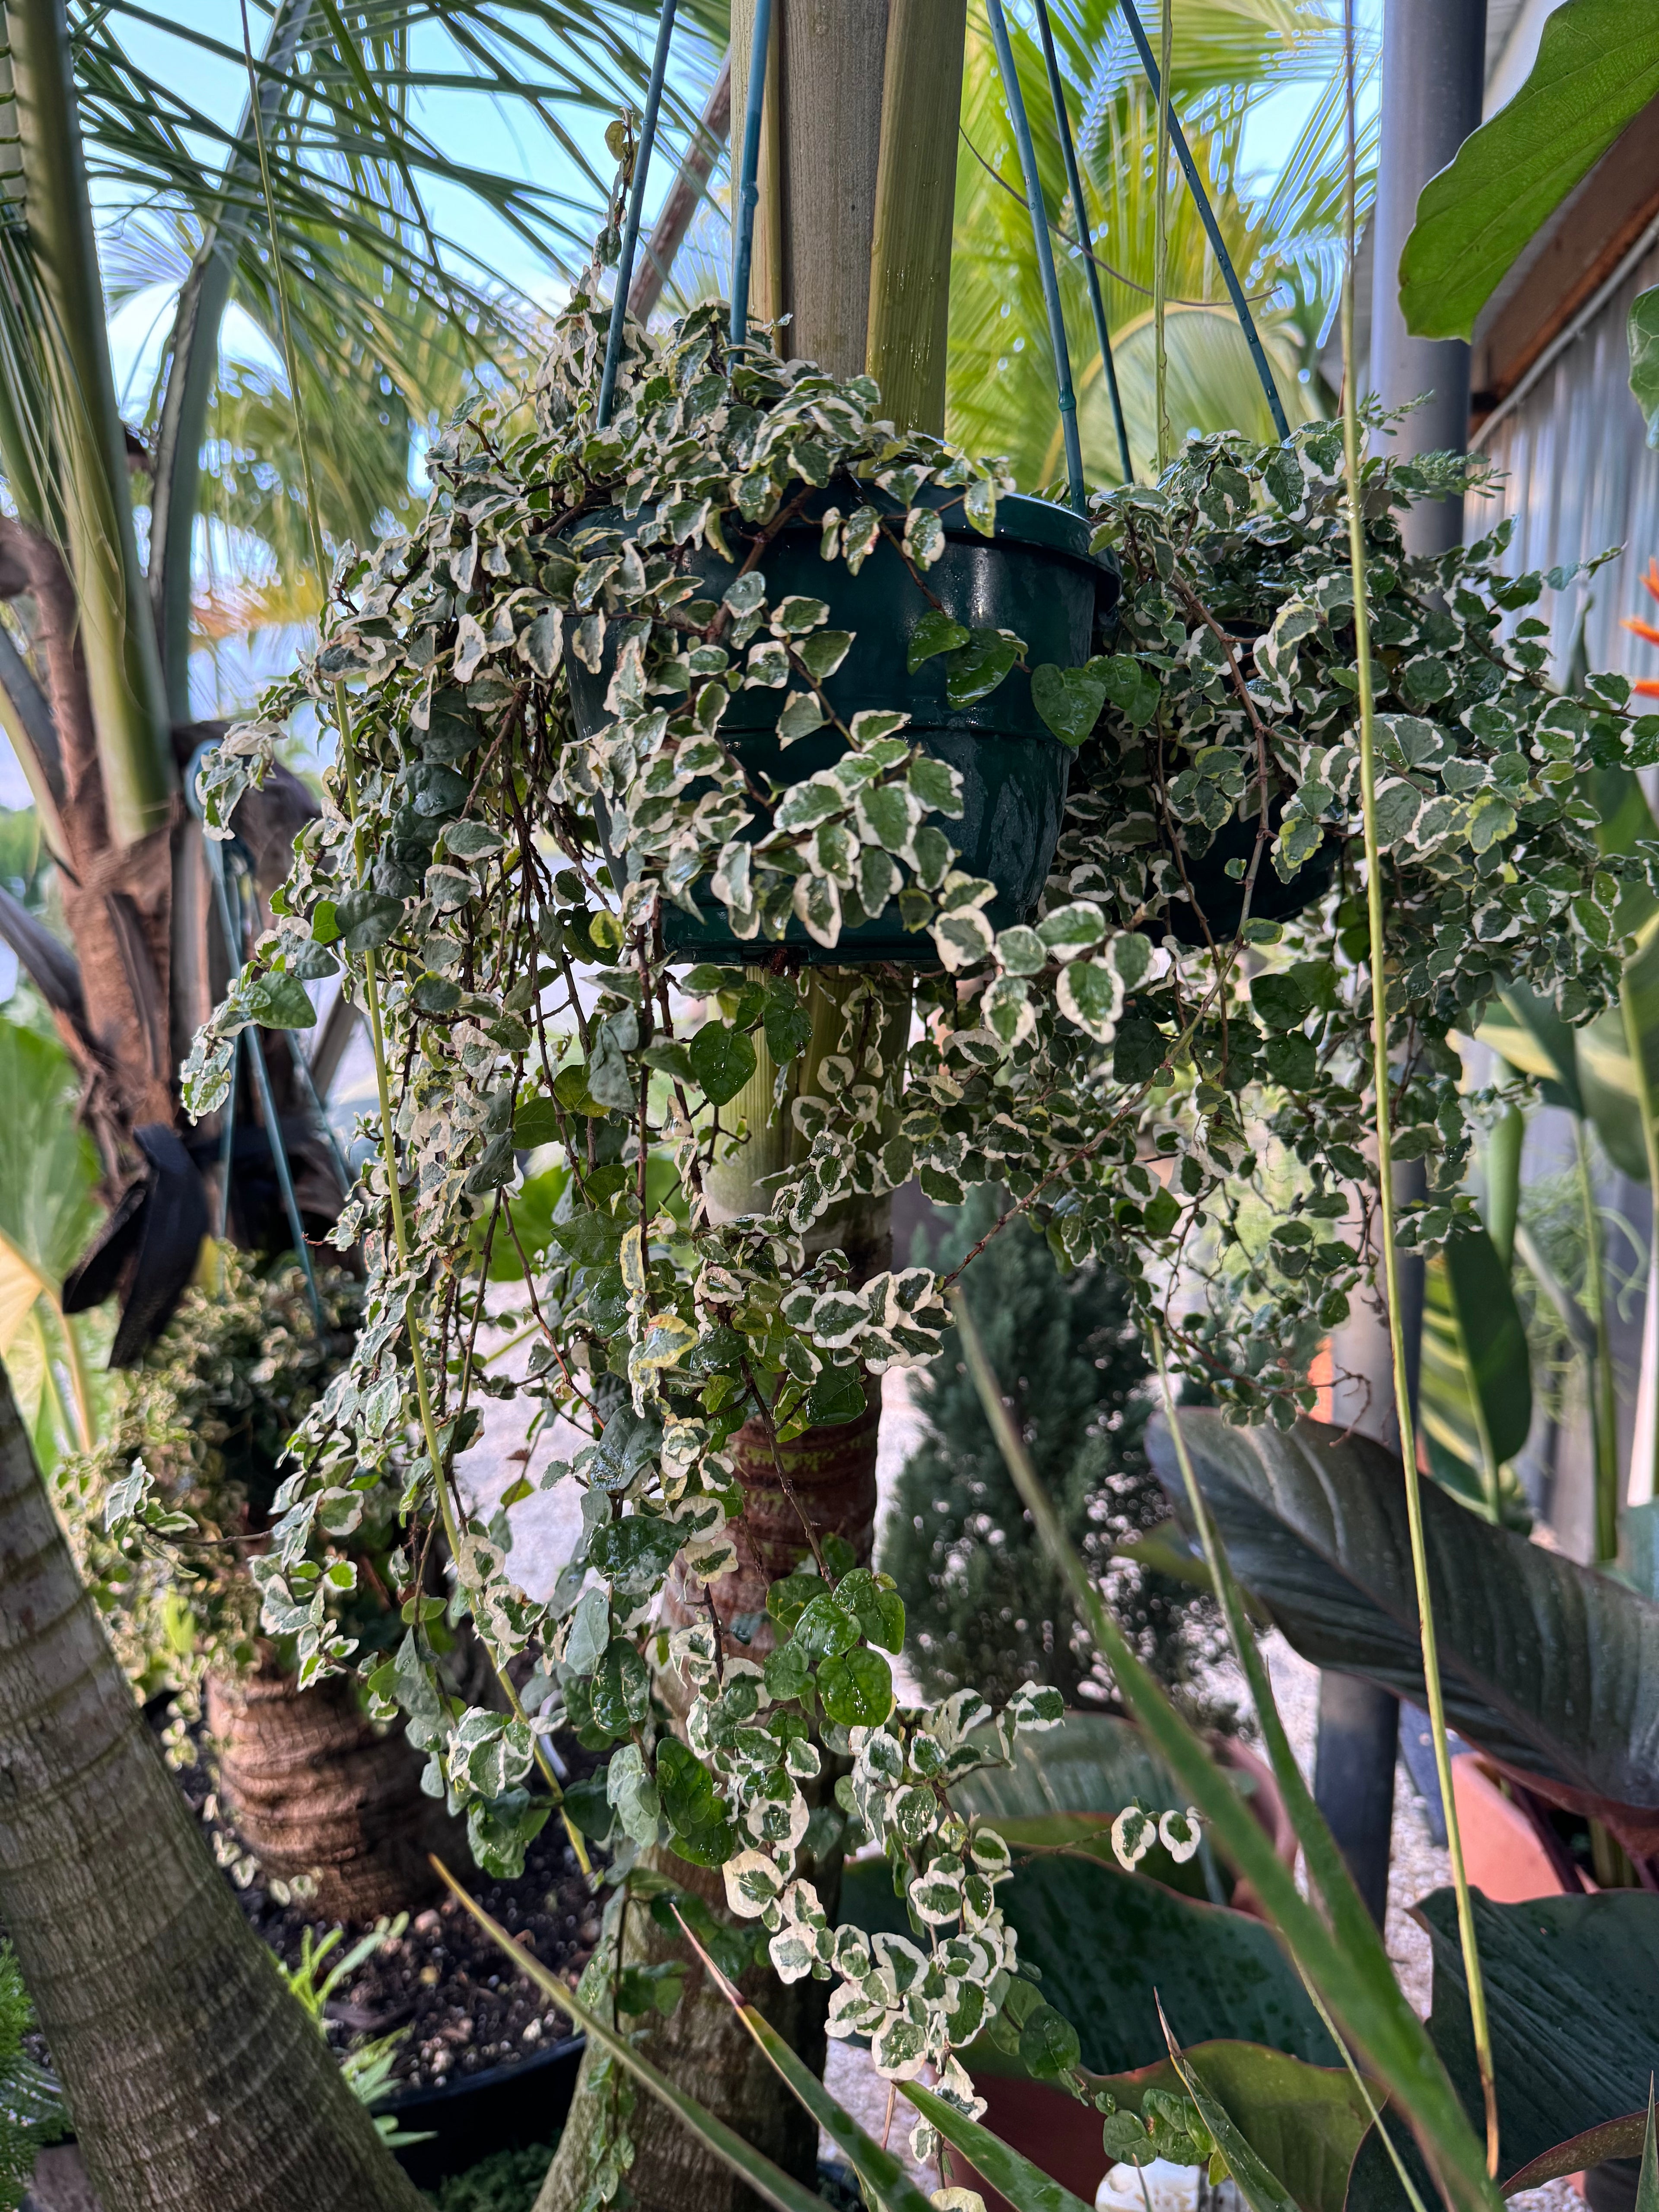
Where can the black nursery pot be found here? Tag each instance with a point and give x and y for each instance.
(1220, 897)
(1036, 576)
(504, 2108)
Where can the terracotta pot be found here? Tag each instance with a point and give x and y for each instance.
(1503, 1853)
(312, 1790)
(1267, 1802)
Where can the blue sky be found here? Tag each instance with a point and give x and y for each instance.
(470, 127)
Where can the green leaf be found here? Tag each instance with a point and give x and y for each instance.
(826, 1628)
(1644, 332)
(1281, 1001)
(975, 672)
(787, 1023)
(1543, 1662)
(1025, 2186)
(1048, 2044)
(592, 1239)
(1069, 699)
(857, 1690)
(1597, 68)
(722, 1060)
(773, 2186)
(280, 1002)
(49, 1173)
(621, 1687)
(838, 1396)
(1572, 1991)
(1133, 689)
(366, 919)
(935, 633)
(1493, 1337)
(535, 1123)
(702, 1834)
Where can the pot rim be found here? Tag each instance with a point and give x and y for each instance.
(1020, 518)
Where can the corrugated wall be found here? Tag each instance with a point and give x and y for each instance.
(1577, 474)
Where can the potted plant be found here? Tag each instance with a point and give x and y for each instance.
(458, 871)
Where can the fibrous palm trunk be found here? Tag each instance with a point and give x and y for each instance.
(853, 243)
(195, 2081)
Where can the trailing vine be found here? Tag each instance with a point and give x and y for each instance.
(1166, 1067)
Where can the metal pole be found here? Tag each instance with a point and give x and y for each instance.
(1074, 186)
(229, 903)
(1358, 1723)
(1213, 229)
(1434, 65)
(1045, 253)
(635, 204)
(1433, 77)
(748, 174)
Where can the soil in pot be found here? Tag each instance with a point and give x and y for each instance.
(461, 2007)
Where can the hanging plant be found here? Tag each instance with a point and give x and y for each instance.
(1192, 1115)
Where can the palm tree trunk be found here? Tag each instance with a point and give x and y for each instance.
(853, 241)
(195, 2081)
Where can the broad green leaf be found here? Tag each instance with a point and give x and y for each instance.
(48, 1175)
(280, 1002)
(772, 2185)
(935, 633)
(1260, 2188)
(1304, 2122)
(976, 671)
(1494, 1338)
(1643, 333)
(1547, 1666)
(1344, 1958)
(1597, 68)
(1026, 2187)
(1476, 1387)
(1069, 699)
(723, 1061)
(1528, 1032)
(1572, 1989)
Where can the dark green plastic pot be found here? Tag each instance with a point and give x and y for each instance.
(1035, 577)
(1221, 897)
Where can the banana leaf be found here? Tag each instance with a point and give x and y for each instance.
(1476, 1382)
(1304, 2123)
(1547, 1666)
(1572, 1991)
(1597, 68)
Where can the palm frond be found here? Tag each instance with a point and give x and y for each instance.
(1229, 55)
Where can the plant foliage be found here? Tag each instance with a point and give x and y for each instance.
(31, 2109)
(479, 836)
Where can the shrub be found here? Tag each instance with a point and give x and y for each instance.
(983, 1604)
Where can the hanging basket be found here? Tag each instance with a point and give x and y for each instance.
(1219, 897)
(1036, 576)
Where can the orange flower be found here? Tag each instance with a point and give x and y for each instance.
(1649, 686)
